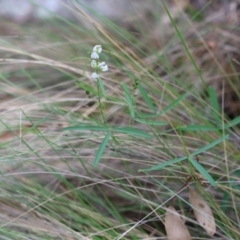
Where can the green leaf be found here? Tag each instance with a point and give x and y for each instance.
(126, 130)
(202, 128)
(210, 145)
(102, 87)
(224, 201)
(233, 180)
(162, 165)
(128, 99)
(204, 173)
(177, 160)
(173, 104)
(214, 104)
(132, 131)
(232, 123)
(86, 128)
(146, 98)
(149, 122)
(199, 128)
(101, 149)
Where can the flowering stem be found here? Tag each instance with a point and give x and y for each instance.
(99, 102)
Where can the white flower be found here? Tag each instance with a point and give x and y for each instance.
(97, 49)
(94, 55)
(103, 66)
(94, 75)
(94, 64)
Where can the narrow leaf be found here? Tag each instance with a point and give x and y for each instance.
(202, 128)
(210, 145)
(176, 160)
(175, 228)
(204, 173)
(146, 98)
(214, 104)
(101, 149)
(232, 123)
(126, 130)
(162, 165)
(102, 87)
(149, 122)
(199, 128)
(128, 99)
(86, 128)
(202, 212)
(173, 104)
(132, 131)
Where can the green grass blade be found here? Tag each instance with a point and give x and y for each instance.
(184, 43)
(232, 123)
(149, 122)
(146, 98)
(126, 130)
(210, 145)
(173, 104)
(128, 99)
(162, 165)
(177, 160)
(102, 87)
(233, 183)
(214, 104)
(132, 131)
(86, 128)
(225, 199)
(202, 128)
(197, 128)
(201, 170)
(101, 149)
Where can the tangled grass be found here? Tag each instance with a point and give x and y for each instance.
(182, 79)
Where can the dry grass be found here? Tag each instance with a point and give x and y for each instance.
(50, 189)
